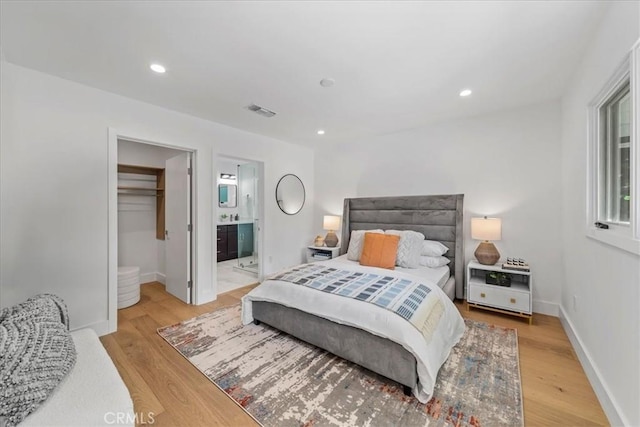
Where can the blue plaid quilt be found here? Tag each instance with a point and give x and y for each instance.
(412, 300)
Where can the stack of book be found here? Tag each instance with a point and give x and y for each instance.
(323, 256)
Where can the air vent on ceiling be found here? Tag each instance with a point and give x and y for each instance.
(260, 110)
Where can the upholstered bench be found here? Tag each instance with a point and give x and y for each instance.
(92, 394)
(52, 377)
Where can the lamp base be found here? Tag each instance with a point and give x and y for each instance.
(331, 240)
(486, 253)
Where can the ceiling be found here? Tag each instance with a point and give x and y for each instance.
(396, 65)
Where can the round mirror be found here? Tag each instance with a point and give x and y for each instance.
(290, 194)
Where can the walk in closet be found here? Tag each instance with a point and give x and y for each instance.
(154, 208)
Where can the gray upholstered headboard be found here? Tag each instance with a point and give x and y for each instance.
(437, 217)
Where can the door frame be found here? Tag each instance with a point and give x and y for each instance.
(112, 228)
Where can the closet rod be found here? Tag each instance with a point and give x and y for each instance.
(138, 193)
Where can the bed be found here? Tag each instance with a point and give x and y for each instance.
(371, 336)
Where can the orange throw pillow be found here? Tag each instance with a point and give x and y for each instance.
(379, 250)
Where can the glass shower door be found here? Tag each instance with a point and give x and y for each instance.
(248, 257)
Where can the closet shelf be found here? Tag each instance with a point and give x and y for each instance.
(157, 191)
(141, 188)
(139, 194)
(140, 170)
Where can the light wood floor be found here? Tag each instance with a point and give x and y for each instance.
(556, 390)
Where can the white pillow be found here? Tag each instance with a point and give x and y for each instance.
(356, 241)
(433, 248)
(409, 248)
(434, 261)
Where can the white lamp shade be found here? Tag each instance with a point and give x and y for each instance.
(486, 228)
(331, 223)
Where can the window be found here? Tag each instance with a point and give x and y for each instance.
(614, 196)
(613, 189)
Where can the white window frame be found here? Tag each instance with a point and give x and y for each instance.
(626, 237)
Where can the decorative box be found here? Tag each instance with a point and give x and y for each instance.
(499, 279)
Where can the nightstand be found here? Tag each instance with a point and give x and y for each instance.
(514, 299)
(321, 253)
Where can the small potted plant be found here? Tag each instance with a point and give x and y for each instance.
(497, 278)
(224, 217)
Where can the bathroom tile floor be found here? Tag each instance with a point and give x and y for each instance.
(230, 278)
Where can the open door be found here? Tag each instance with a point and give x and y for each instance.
(177, 227)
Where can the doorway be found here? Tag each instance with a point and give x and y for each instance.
(154, 215)
(248, 255)
(163, 176)
(238, 225)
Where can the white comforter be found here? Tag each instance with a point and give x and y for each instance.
(371, 318)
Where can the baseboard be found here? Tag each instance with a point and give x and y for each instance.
(611, 409)
(153, 277)
(205, 297)
(161, 278)
(545, 307)
(101, 328)
(148, 277)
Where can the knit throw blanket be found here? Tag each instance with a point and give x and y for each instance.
(36, 353)
(409, 299)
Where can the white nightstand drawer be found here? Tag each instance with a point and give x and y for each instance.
(500, 297)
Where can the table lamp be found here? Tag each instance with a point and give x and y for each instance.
(486, 229)
(331, 223)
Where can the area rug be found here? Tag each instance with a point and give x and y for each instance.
(282, 381)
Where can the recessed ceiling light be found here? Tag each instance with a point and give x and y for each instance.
(158, 68)
(465, 92)
(320, 132)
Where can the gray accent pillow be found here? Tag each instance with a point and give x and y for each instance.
(409, 248)
(36, 353)
(356, 241)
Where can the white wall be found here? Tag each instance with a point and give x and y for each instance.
(605, 280)
(54, 180)
(137, 243)
(506, 164)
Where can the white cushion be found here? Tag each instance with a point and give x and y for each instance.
(409, 248)
(93, 394)
(356, 241)
(434, 261)
(433, 248)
